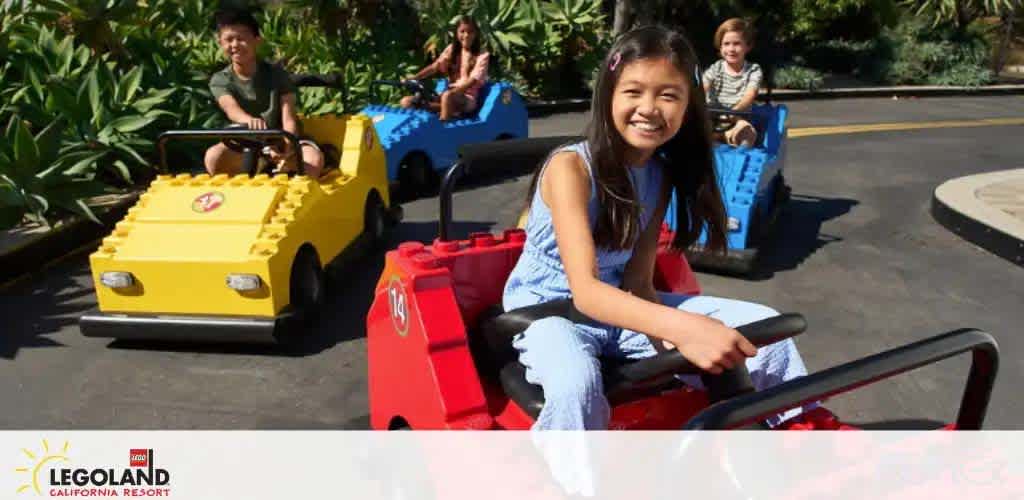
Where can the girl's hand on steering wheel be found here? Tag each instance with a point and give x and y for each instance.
(257, 124)
(714, 347)
(279, 158)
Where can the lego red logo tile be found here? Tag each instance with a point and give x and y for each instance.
(138, 458)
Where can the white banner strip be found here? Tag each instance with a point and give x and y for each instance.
(220, 465)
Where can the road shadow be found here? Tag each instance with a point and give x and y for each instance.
(798, 233)
(905, 424)
(33, 310)
(350, 286)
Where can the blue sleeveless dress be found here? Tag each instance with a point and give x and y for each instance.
(562, 356)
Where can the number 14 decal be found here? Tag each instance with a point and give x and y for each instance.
(398, 302)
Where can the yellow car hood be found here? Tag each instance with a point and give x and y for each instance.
(198, 222)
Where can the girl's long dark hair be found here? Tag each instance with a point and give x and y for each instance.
(687, 157)
(456, 62)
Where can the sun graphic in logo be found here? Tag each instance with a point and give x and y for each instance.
(45, 457)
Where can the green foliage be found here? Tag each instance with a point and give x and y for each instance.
(840, 56)
(33, 182)
(90, 83)
(798, 77)
(960, 13)
(112, 131)
(547, 47)
(916, 53)
(86, 85)
(817, 20)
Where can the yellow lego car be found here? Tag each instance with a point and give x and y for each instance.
(240, 258)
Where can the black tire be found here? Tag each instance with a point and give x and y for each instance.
(399, 424)
(416, 175)
(782, 191)
(308, 284)
(375, 221)
(755, 233)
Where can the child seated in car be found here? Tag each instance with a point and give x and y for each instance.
(465, 65)
(257, 94)
(732, 82)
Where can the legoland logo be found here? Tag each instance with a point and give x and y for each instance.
(39, 461)
(45, 477)
(138, 458)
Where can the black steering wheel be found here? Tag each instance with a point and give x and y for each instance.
(723, 119)
(422, 94)
(241, 144)
(238, 138)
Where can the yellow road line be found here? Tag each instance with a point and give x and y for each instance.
(888, 127)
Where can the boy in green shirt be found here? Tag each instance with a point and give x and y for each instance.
(256, 93)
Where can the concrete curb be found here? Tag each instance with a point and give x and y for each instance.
(956, 207)
(69, 239)
(543, 108)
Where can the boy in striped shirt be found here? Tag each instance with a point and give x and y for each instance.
(732, 82)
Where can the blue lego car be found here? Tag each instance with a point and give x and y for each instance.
(753, 191)
(419, 146)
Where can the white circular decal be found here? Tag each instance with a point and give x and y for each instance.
(398, 303)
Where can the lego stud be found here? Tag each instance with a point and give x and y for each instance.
(424, 261)
(410, 248)
(445, 246)
(515, 235)
(481, 239)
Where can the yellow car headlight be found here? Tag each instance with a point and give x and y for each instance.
(117, 279)
(244, 282)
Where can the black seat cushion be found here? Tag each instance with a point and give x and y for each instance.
(496, 359)
(492, 342)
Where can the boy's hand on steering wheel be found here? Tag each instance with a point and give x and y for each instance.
(257, 124)
(714, 347)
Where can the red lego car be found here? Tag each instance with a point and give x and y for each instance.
(440, 354)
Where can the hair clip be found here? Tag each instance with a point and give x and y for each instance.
(696, 74)
(616, 59)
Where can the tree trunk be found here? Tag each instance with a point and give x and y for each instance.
(1003, 51)
(964, 16)
(623, 17)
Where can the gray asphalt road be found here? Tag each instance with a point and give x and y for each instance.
(858, 254)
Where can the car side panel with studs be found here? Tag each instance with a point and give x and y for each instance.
(753, 189)
(195, 245)
(501, 114)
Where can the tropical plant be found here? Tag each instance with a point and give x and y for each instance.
(111, 132)
(914, 53)
(436, 18)
(502, 25)
(798, 77)
(39, 60)
(961, 13)
(33, 183)
(92, 22)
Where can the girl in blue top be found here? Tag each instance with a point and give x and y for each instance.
(592, 234)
